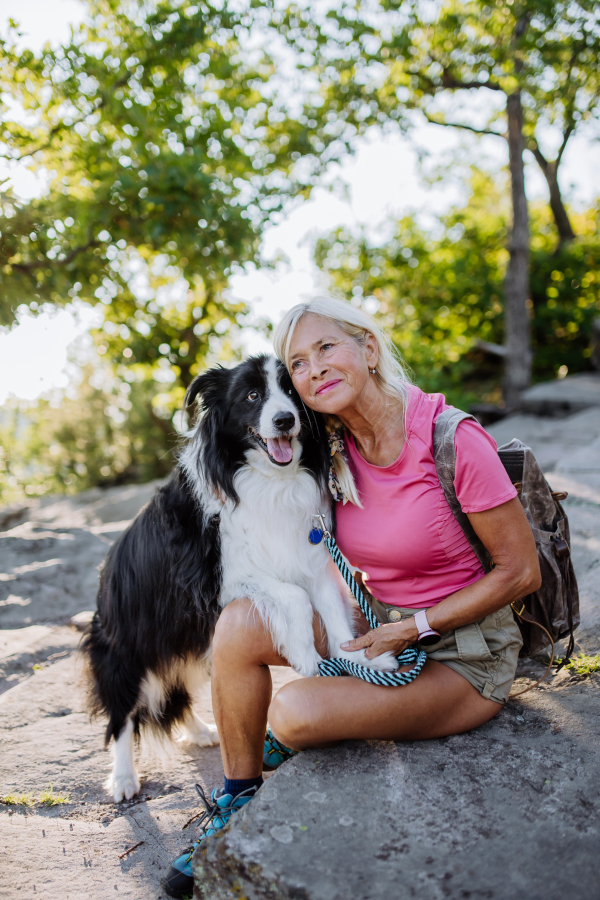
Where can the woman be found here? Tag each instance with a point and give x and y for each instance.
(397, 527)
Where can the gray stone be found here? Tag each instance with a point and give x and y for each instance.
(496, 811)
(82, 619)
(22, 649)
(552, 440)
(563, 396)
(507, 812)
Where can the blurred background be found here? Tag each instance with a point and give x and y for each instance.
(174, 175)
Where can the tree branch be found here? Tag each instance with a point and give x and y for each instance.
(435, 121)
(450, 81)
(60, 125)
(567, 134)
(540, 158)
(26, 267)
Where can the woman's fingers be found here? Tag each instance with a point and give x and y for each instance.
(359, 643)
(378, 641)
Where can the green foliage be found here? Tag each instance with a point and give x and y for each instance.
(380, 62)
(18, 799)
(583, 665)
(111, 431)
(46, 798)
(435, 295)
(440, 296)
(167, 145)
(167, 140)
(565, 290)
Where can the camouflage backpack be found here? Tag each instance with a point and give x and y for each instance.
(552, 612)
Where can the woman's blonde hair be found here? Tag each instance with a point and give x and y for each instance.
(390, 371)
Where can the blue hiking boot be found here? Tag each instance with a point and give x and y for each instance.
(179, 880)
(275, 753)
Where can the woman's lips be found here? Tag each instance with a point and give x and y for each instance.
(327, 387)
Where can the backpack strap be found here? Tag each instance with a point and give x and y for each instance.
(444, 453)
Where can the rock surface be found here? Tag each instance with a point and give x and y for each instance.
(563, 396)
(508, 812)
(288, 843)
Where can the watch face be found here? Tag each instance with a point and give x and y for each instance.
(428, 639)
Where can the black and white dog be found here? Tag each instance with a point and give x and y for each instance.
(232, 521)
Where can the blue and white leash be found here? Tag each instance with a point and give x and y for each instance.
(338, 666)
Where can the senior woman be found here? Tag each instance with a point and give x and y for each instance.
(397, 528)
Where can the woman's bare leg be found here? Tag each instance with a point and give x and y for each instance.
(241, 686)
(313, 712)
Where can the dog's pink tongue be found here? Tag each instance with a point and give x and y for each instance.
(280, 449)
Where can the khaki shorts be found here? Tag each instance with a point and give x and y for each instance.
(485, 653)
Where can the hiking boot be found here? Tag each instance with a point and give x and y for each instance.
(275, 753)
(179, 880)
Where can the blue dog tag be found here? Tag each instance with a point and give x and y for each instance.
(315, 536)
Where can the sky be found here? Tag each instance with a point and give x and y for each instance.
(382, 180)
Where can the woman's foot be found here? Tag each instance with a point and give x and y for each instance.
(275, 753)
(179, 880)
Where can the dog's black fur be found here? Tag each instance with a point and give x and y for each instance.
(160, 583)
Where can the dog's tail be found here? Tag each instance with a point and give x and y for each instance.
(113, 682)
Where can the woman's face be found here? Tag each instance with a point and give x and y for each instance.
(330, 370)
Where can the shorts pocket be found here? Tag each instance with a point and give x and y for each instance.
(471, 644)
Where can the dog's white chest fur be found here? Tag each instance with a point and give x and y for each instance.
(265, 537)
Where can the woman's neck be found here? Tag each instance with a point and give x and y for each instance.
(376, 424)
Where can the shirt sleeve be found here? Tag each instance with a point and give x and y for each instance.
(480, 479)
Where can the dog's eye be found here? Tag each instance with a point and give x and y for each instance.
(253, 395)
(290, 393)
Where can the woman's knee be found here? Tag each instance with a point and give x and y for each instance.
(236, 629)
(290, 716)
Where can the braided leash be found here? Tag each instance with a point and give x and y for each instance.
(345, 666)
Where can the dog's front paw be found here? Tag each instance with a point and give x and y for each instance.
(123, 787)
(386, 662)
(307, 667)
(207, 736)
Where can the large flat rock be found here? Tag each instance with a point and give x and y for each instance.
(508, 812)
(563, 396)
(73, 849)
(480, 815)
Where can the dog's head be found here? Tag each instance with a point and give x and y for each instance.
(252, 413)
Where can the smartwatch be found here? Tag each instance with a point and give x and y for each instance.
(427, 635)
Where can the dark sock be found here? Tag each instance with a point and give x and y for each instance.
(235, 786)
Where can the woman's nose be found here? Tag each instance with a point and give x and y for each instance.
(317, 369)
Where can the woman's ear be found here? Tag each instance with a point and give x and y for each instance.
(212, 386)
(372, 349)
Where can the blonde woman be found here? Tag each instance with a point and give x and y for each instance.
(394, 524)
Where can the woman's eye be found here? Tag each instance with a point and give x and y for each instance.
(253, 395)
(326, 346)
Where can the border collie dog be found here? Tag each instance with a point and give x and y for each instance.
(232, 522)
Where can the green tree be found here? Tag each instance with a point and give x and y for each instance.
(167, 141)
(441, 297)
(168, 146)
(534, 59)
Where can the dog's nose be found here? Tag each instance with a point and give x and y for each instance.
(284, 421)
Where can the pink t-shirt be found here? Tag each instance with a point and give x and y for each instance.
(405, 538)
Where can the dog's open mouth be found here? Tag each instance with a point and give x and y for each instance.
(278, 449)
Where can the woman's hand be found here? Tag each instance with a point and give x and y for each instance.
(394, 637)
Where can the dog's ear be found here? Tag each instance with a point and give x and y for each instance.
(211, 386)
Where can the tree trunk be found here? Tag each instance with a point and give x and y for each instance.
(517, 372)
(561, 217)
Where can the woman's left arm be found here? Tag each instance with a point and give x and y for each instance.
(507, 535)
